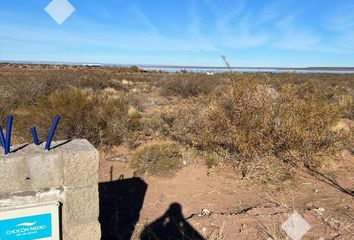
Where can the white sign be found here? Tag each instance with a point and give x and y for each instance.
(40, 222)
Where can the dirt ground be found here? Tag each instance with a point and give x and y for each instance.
(217, 204)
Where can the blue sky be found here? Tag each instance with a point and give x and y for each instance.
(284, 33)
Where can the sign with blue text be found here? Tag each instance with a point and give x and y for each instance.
(39, 222)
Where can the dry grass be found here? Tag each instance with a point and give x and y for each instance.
(252, 121)
(273, 232)
(266, 170)
(100, 117)
(161, 159)
(218, 234)
(190, 85)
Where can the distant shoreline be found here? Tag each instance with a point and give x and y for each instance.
(252, 68)
(148, 66)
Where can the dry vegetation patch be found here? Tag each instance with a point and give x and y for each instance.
(96, 115)
(252, 121)
(190, 85)
(159, 159)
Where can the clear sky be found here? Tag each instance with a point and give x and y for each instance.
(284, 33)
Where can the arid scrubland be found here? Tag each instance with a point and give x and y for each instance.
(267, 125)
(249, 149)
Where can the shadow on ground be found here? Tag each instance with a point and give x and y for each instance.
(328, 180)
(120, 205)
(171, 225)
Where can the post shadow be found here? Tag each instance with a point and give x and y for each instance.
(172, 225)
(120, 205)
(331, 182)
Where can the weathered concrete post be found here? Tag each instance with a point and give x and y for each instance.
(67, 174)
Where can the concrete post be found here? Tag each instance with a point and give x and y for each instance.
(67, 174)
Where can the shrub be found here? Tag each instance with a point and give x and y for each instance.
(134, 121)
(190, 85)
(158, 159)
(266, 170)
(97, 116)
(97, 82)
(251, 121)
(16, 93)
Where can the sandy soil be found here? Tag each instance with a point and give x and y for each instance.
(242, 209)
(217, 204)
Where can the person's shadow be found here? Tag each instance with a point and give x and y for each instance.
(120, 205)
(172, 225)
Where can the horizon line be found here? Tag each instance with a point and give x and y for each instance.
(163, 65)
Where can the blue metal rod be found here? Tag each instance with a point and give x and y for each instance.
(35, 136)
(8, 134)
(2, 138)
(51, 132)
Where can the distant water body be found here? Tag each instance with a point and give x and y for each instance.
(251, 70)
(199, 69)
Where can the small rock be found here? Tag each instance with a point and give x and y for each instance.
(205, 212)
(316, 191)
(310, 206)
(321, 209)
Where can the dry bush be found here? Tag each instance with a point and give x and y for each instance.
(189, 85)
(349, 101)
(154, 125)
(251, 120)
(18, 92)
(95, 115)
(339, 84)
(158, 159)
(134, 121)
(266, 170)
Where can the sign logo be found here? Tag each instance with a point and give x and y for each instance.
(26, 228)
(26, 224)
